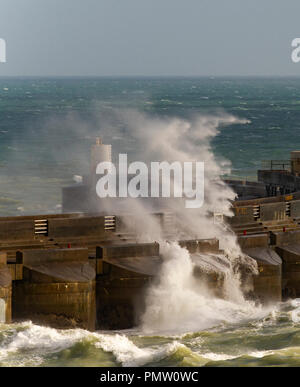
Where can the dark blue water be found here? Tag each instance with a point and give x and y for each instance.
(47, 126)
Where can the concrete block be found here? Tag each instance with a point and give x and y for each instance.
(127, 250)
(273, 211)
(290, 255)
(201, 245)
(267, 285)
(242, 215)
(3, 259)
(59, 305)
(295, 209)
(16, 230)
(256, 240)
(77, 227)
(5, 295)
(284, 238)
(35, 257)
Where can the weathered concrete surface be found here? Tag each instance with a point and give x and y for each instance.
(148, 266)
(211, 269)
(285, 238)
(128, 250)
(267, 285)
(210, 264)
(201, 245)
(295, 209)
(273, 211)
(16, 230)
(247, 189)
(58, 288)
(21, 228)
(250, 241)
(5, 290)
(290, 255)
(124, 272)
(76, 227)
(120, 297)
(242, 215)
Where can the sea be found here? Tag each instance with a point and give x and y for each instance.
(47, 126)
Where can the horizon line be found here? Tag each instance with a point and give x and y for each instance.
(150, 76)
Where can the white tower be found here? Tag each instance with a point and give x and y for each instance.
(99, 153)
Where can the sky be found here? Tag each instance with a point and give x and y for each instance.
(149, 37)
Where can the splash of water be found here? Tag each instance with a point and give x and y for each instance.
(179, 302)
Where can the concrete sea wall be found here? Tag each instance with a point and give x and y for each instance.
(75, 270)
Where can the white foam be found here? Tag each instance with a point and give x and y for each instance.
(129, 355)
(39, 341)
(77, 178)
(181, 303)
(217, 356)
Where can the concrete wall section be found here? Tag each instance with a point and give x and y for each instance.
(60, 305)
(295, 209)
(273, 211)
(57, 289)
(201, 245)
(242, 215)
(120, 297)
(5, 291)
(16, 230)
(128, 250)
(267, 285)
(250, 241)
(290, 270)
(31, 258)
(285, 238)
(77, 227)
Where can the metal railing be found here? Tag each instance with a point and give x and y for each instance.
(110, 222)
(282, 165)
(41, 227)
(256, 211)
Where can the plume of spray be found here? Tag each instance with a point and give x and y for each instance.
(176, 139)
(177, 300)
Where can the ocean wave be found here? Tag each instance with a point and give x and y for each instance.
(27, 344)
(271, 340)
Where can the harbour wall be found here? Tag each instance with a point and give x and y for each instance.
(75, 270)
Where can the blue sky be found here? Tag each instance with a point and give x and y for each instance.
(149, 37)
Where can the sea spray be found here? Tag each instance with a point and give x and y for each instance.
(178, 302)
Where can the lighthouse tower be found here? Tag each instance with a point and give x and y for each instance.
(83, 197)
(99, 153)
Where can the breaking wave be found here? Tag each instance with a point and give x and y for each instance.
(272, 339)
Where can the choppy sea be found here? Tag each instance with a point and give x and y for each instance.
(46, 129)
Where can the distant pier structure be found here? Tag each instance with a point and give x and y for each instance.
(274, 178)
(281, 176)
